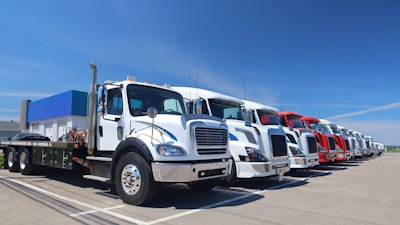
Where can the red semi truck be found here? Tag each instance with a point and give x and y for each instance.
(342, 142)
(325, 142)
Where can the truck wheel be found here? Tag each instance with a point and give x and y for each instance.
(134, 180)
(12, 160)
(231, 179)
(25, 162)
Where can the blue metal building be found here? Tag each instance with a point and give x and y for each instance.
(55, 115)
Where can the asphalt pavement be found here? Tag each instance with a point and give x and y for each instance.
(356, 192)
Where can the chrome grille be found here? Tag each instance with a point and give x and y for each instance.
(279, 147)
(346, 142)
(211, 140)
(353, 144)
(312, 144)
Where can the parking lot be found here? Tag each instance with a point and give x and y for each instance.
(357, 192)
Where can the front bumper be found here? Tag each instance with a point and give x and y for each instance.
(261, 169)
(190, 172)
(340, 156)
(303, 162)
(358, 153)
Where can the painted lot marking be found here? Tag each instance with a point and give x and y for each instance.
(105, 211)
(95, 209)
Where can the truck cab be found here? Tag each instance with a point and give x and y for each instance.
(325, 142)
(370, 145)
(304, 151)
(359, 144)
(257, 151)
(351, 139)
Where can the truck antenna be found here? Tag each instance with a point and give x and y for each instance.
(197, 80)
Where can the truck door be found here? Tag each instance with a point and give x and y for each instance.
(110, 129)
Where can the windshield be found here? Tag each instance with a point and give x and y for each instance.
(226, 109)
(316, 127)
(335, 129)
(268, 117)
(345, 132)
(295, 122)
(140, 98)
(325, 129)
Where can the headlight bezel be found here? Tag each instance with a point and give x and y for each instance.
(296, 152)
(254, 155)
(170, 150)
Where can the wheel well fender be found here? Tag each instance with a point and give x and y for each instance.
(130, 145)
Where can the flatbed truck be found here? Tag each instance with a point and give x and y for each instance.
(139, 135)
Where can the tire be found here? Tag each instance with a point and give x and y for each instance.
(26, 166)
(231, 179)
(11, 160)
(134, 180)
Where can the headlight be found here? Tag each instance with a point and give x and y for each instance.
(296, 151)
(254, 155)
(321, 149)
(170, 150)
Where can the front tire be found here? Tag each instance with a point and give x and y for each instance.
(12, 160)
(26, 166)
(231, 179)
(134, 180)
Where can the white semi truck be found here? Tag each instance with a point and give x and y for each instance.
(350, 137)
(303, 152)
(139, 135)
(257, 151)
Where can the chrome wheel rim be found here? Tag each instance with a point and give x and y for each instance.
(10, 159)
(22, 160)
(131, 179)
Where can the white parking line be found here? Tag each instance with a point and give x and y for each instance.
(94, 211)
(160, 220)
(230, 200)
(116, 215)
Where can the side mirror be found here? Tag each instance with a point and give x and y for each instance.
(248, 116)
(197, 106)
(152, 112)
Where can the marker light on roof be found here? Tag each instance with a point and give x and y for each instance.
(131, 79)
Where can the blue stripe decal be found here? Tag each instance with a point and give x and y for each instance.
(232, 137)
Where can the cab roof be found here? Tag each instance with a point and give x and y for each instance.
(193, 93)
(255, 105)
(289, 113)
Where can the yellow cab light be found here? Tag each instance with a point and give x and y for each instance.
(131, 79)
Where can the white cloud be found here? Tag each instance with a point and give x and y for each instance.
(21, 62)
(24, 94)
(8, 110)
(374, 109)
(386, 132)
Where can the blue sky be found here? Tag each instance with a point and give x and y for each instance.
(332, 59)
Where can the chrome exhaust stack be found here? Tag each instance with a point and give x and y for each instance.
(91, 112)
